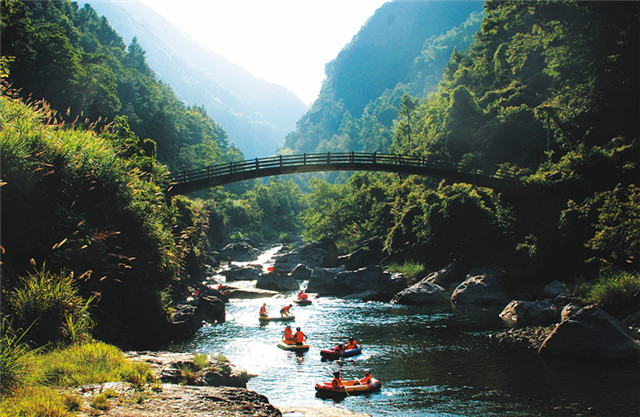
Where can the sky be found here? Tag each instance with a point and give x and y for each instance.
(287, 42)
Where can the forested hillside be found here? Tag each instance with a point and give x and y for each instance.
(256, 114)
(77, 62)
(402, 48)
(547, 88)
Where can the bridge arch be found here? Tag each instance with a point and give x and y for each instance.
(227, 173)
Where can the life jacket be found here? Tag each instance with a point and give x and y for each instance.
(366, 380)
(288, 333)
(338, 350)
(263, 311)
(351, 345)
(285, 309)
(336, 383)
(299, 337)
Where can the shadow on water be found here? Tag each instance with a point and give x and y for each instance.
(431, 362)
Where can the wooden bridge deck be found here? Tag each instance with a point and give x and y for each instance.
(227, 173)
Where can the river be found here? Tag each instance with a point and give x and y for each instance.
(431, 362)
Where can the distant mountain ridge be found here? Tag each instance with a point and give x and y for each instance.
(256, 114)
(403, 47)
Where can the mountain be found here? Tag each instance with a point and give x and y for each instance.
(256, 114)
(402, 48)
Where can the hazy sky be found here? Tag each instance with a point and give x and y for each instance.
(287, 42)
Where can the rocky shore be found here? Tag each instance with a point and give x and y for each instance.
(187, 387)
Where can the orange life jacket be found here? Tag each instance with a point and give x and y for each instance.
(351, 345)
(299, 337)
(336, 383)
(366, 380)
(285, 309)
(263, 311)
(288, 333)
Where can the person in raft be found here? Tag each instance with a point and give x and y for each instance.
(287, 335)
(352, 344)
(299, 337)
(284, 311)
(336, 382)
(263, 310)
(367, 378)
(339, 349)
(302, 295)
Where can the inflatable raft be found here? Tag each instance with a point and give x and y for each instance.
(350, 388)
(302, 302)
(264, 319)
(293, 348)
(331, 354)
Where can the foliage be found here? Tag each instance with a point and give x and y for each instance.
(89, 363)
(72, 58)
(79, 364)
(49, 306)
(618, 293)
(412, 271)
(77, 203)
(403, 48)
(14, 357)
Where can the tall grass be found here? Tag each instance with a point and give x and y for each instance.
(49, 305)
(88, 363)
(14, 355)
(616, 292)
(412, 271)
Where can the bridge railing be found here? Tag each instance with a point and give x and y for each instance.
(329, 158)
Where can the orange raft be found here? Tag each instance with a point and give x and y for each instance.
(350, 388)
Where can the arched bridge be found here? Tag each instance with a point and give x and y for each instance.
(227, 173)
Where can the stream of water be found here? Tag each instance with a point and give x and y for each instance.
(431, 362)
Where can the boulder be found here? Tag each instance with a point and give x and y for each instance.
(211, 309)
(322, 280)
(429, 290)
(530, 313)
(591, 334)
(370, 283)
(482, 286)
(301, 272)
(322, 253)
(242, 273)
(569, 311)
(371, 253)
(553, 289)
(246, 293)
(239, 252)
(277, 282)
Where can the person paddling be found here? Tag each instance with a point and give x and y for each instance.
(336, 382)
(339, 349)
(284, 311)
(302, 295)
(288, 335)
(367, 378)
(263, 310)
(352, 344)
(299, 337)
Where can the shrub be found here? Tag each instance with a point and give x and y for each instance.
(50, 306)
(617, 293)
(411, 270)
(35, 402)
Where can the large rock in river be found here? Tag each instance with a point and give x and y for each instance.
(240, 252)
(591, 334)
(370, 283)
(322, 253)
(530, 313)
(277, 282)
(482, 286)
(242, 273)
(429, 290)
